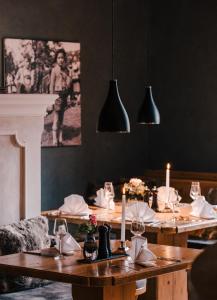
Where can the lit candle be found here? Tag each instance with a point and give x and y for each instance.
(167, 181)
(123, 216)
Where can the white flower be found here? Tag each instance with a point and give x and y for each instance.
(135, 186)
(135, 182)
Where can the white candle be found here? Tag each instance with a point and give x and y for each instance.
(123, 216)
(167, 181)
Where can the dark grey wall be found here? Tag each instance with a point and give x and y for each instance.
(183, 69)
(101, 157)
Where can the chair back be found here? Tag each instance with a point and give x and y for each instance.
(204, 274)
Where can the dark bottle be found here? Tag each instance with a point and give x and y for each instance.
(108, 239)
(103, 249)
(154, 199)
(146, 195)
(53, 243)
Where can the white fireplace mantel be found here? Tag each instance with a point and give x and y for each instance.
(21, 126)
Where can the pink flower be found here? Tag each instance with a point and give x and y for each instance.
(93, 220)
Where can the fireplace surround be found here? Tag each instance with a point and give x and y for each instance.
(21, 126)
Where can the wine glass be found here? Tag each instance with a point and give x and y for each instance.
(137, 226)
(195, 190)
(60, 229)
(109, 192)
(173, 200)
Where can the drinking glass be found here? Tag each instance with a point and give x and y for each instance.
(109, 192)
(173, 200)
(60, 229)
(195, 190)
(137, 226)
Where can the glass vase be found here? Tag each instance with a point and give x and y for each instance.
(90, 250)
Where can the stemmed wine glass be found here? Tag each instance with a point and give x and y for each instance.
(173, 200)
(137, 226)
(60, 229)
(109, 192)
(195, 190)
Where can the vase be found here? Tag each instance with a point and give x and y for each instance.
(133, 198)
(90, 250)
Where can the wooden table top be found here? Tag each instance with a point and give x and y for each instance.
(165, 225)
(104, 273)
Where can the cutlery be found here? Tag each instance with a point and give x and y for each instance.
(169, 259)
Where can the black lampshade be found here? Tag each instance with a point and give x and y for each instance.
(113, 116)
(148, 112)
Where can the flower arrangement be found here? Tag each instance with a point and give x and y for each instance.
(135, 187)
(90, 227)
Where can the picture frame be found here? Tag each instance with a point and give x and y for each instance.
(47, 66)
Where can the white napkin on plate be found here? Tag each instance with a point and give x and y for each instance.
(140, 253)
(201, 208)
(140, 210)
(69, 244)
(75, 205)
(104, 201)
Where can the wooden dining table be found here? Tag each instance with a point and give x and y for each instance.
(162, 231)
(104, 280)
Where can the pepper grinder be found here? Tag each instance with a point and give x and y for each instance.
(103, 249)
(146, 194)
(108, 239)
(154, 202)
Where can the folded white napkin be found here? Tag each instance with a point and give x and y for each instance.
(140, 253)
(162, 194)
(69, 244)
(140, 210)
(75, 205)
(201, 208)
(103, 200)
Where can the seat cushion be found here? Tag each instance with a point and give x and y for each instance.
(25, 235)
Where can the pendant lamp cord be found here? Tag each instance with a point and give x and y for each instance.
(113, 37)
(147, 41)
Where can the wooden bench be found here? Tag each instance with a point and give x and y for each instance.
(181, 180)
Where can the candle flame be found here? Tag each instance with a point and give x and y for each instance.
(168, 166)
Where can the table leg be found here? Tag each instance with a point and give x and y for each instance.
(175, 282)
(172, 286)
(118, 292)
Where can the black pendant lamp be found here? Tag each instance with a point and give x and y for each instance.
(113, 116)
(148, 112)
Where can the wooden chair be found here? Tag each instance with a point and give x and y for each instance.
(212, 196)
(204, 274)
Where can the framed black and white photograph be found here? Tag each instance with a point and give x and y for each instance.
(39, 66)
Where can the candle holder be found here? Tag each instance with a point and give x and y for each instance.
(122, 249)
